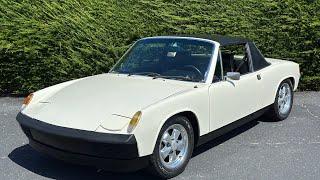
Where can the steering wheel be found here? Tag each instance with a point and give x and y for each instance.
(194, 69)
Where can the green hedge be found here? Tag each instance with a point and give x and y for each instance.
(310, 83)
(45, 42)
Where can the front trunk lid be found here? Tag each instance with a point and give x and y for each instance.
(86, 103)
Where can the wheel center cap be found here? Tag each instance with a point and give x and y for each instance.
(174, 146)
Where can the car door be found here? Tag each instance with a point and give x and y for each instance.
(231, 100)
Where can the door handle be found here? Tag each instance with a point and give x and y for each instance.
(258, 76)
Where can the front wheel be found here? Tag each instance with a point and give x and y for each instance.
(173, 148)
(282, 105)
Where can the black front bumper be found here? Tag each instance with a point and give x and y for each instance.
(116, 152)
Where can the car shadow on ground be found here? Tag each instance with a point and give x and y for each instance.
(219, 140)
(45, 166)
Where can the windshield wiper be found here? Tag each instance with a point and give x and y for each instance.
(185, 78)
(152, 74)
(157, 75)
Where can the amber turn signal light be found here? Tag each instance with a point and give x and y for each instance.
(28, 99)
(134, 121)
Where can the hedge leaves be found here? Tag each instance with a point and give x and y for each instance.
(45, 42)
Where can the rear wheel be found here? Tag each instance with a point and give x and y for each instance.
(173, 148)
(282, 105)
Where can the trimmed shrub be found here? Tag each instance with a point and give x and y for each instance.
(310, 83)
(45, 42)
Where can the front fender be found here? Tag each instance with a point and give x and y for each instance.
(154, 116)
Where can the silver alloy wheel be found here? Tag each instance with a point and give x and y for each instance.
(284, 98)
(174, 146)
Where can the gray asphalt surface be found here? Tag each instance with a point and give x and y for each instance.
(258, 150)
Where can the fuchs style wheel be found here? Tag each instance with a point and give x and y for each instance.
(282, 105)
(173, 148)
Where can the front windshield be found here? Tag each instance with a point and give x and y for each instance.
(172, 58)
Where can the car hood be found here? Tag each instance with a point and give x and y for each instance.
(109, 99)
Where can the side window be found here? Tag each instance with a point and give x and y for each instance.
(218, 74)
(235, 58)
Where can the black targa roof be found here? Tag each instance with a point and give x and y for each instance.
(227, 40)
(223, 40)
(258, 60)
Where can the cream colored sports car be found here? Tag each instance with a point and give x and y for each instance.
(164, 97)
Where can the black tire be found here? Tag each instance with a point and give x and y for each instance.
(156, 167)
(274, 111)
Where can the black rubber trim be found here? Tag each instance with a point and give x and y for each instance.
(74, 133)
(223, 130)
(115, 146)
(114, 165)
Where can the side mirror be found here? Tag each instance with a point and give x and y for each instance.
(233, 75)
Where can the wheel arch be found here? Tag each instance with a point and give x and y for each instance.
(292, 81)
(290, 78)
(194, 122)
(191, 116)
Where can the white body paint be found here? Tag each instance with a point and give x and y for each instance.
(106, 102)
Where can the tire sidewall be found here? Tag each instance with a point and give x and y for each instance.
(163, 171)
(276, 107)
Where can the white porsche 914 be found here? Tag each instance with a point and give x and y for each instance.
(164, 97)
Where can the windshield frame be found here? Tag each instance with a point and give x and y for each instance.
(210, 69)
